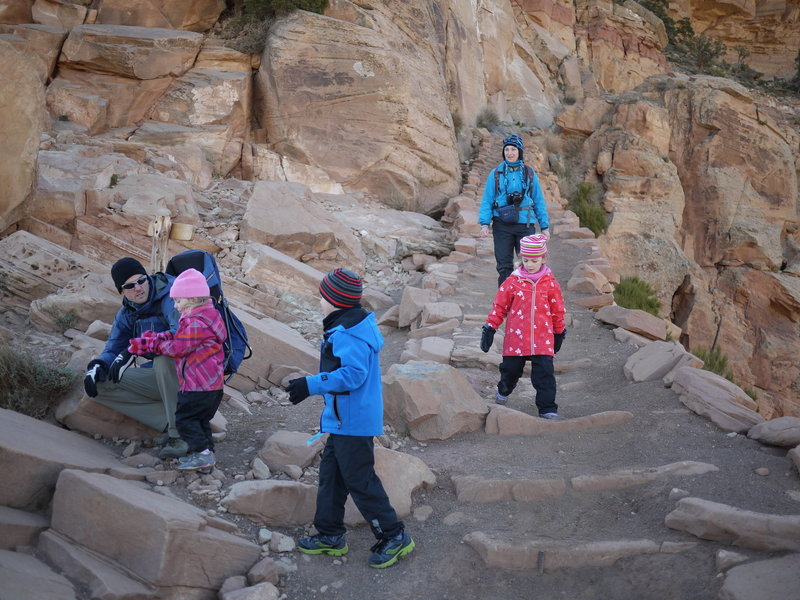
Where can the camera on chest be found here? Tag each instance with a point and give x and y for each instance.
(514, 198)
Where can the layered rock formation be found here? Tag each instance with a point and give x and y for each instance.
(768, 29)
(701, 185)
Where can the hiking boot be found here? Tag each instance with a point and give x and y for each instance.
(550, 416)
(175, 448)
(386, 552)
(199, 461)
(500, 399)
(335, 545)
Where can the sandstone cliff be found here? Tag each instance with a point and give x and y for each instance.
(115, 113)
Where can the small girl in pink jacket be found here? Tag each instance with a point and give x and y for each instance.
(199, 357)
(530, 301)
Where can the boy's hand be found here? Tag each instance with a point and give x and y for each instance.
(487, 337)
(558, 339)
(298, 390)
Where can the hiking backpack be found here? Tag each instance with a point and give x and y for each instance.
(527, 178)
(236, 346)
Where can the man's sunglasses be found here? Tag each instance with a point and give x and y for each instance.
(133, 284)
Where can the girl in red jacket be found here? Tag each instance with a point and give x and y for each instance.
(531, 301)
(199, 357)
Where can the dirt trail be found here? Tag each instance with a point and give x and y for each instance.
(662, 431)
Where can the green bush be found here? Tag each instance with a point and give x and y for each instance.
(246, 27)
(590, 214)
(635, 293)
(262, 9)
(487, 118)
(29, 386)
(715, 361)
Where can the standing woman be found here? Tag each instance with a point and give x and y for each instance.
(512, 204)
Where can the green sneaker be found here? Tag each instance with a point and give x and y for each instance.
(386, 552)
(335, 545)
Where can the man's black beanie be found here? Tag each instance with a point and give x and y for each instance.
(124, 269)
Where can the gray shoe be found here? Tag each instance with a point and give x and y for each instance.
(175, 448)
(551, 416)
(500, 399)
(198, 462)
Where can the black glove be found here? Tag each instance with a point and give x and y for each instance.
(558, 339)
(95, 371)
(298, 390)
(487, 337)
(123, 361)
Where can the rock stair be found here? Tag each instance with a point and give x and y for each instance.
(562, 509)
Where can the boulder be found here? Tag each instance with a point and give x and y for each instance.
(22, 123)
(133, 52)
(771, 579)
(783, 431)
(285, 217)
(654, 361)
(275, 345)
(197, 15)
(273, 502)
(730, 525)
(715, 398)
(412, 302)
(275, 167)
(167, 543)
(340, 72)
(401, 475)
(431, 401)
(285, 448)
(25, 576)
(635, 320)
(507, 421)
(20, 528)
(33, 454)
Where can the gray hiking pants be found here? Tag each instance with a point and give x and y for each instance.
(149, 396)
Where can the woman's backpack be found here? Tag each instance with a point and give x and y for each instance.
(236, 346)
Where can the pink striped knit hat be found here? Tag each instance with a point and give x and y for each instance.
(532, 246)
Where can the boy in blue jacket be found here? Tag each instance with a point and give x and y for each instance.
(350, 381)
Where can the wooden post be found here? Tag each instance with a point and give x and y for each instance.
(160, 228)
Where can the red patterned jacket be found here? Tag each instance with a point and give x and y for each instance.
(197, 349)
(533, 311)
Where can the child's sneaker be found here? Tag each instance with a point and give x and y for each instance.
(500, 399)
(386, 552)
(335, 545)
(198, 461)
(551, 416)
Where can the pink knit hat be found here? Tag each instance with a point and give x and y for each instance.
(189, 284)
(533, 246)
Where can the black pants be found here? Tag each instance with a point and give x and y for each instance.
(193, 418)
(348, 467)
(506, 244)
(542, 377)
